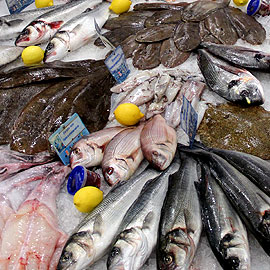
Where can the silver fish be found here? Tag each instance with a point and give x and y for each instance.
(9, 54)
(94, 235)
(232, 83)
(45, 26)
(76, 32)
(89, 150)
(180, 224)
(140, 225)
(158, 142)
(122, 155)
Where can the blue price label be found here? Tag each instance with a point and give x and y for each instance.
(16, 6)
(65, 137)
(189, 119)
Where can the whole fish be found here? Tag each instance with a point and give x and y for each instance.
(92, 238)
(240, 56)
(180, 225)
(45, 26)
(31, 238)
(232, 83)
(160, 6)
(9, 54)
(140, 225)
(76, 32)
(158, 142)
(89, 150)
(163, 17)
(122, 155)
(224, 229)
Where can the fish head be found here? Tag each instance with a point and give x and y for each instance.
(58, 47)
(78, 252)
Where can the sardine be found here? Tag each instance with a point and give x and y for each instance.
(92, 238)
(76, 32)
(224, 229)
(9, 54)
(158, 141)
(122, 155)
(240, 56)
(45, 26)
(232, 83)
(89, 150)
(180, 225)
(139, 228)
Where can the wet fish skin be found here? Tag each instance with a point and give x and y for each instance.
(9, 54)
(160, 6)
(89, 150)
(94, 235)
(232, 83)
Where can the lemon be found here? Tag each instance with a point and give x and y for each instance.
(128, 114)
(240, 2)
(120, 6)
(32, 55)
(87, 198)
(43, 3)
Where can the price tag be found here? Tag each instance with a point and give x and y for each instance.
(16, 6)
(65, 137)
(189, 119)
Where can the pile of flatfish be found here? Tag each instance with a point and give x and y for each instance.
(160, 33)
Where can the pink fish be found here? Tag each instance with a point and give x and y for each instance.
(31, 238)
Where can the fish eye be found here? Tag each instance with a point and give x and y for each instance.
(115, 251)
(50, 46)
(244, 93)
(110, 171)
(25, 31)
(76, 151)
(66, 257)
(167, 259)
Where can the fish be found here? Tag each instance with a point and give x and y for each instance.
(42, 28)
(76, 32)
(8, 54)
(206, 35)
(89, 150)
(240, 56)
(180, 223)
(129, 45)
(160, 6)
(138, 238)
(163, 17)
(92, 238)
(225, 231)
(232, 83)
(158, 142)
(31, 237)
(122, 156)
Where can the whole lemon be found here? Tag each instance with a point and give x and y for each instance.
(43, 3)
(128, 114)
(240, 2)
(32, 55)
(87, 198)
(120, 6)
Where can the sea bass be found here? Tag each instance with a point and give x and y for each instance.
(225, 231)
(232, 83)
(45, 26)
(9, 54)
(180, 225)
(89, 150)
(122, 155)
(94, 235)
(158, 141)
(76, 32)
(140, 225)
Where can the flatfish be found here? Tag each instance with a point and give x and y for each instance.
(162, 17)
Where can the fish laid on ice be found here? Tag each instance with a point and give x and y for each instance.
(224, 229)
(240, 56)
(122, 155)
(140, 225)
(89, 150)
(158, 142)
(232, 83)
(163, 17)
(45, 26)
(180, 225)
(92, 238)
(76, 32)
(9, 54)
(31, 238)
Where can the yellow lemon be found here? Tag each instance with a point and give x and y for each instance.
(43, 3)
(120, 6)
(128, 114)
(32, 55)
(240, 2)
(87, 198)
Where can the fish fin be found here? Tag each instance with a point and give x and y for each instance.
(13, 22)
(76, 29)
(232, 69)
(55, 25)
(134, 154)
(98, 223)
(148, 220)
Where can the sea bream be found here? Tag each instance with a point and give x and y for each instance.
(92, 238)
(139, 228)
(76, 32)
(89, 150)
(232, 83)
(45, 26)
